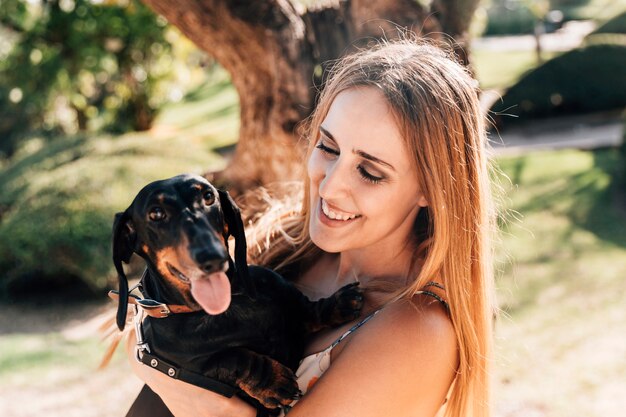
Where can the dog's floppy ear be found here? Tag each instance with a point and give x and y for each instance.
(123, 242)
(234, 224)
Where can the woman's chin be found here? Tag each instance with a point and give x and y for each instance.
(323, 241)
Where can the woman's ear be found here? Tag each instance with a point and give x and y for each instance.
(421, 201)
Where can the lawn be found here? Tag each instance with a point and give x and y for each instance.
(562, 331)
(499, 69)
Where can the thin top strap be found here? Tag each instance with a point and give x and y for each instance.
(366, 319)
(434, 295)
(353, 328)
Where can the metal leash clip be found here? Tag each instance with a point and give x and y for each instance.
(142, 346)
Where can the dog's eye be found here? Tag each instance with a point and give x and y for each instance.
(209, 198)
(157, 214)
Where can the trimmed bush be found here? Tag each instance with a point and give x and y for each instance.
(506, 20)
(615, 25)
(584, 80)
(622, 150)
(58, 200)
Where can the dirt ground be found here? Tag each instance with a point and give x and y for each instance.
(62, 389)
(65, 389)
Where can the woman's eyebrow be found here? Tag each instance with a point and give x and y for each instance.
(358, 152)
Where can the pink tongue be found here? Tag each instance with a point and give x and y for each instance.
(212, 292)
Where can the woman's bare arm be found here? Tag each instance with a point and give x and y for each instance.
(184, 399)
(401, 363)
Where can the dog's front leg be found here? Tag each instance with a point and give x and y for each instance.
(343, 306)
(259, 376)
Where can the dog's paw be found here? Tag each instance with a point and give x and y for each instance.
(281, 391)
(348, 303)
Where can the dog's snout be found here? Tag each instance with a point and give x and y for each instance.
(214, 265)
(210, 259)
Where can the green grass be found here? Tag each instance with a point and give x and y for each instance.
(501, 69)
(210, 112)
(599, 10)
(33, 356)
(562, 334)
(56, 375)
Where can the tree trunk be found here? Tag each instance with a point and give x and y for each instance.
(275, 52)
(455, 17)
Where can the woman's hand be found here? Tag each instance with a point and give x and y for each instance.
(184, 399)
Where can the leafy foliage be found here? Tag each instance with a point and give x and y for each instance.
(509, 18)
(615, 25)
(59, 203)
(579, 81)
(75, 65)
(58, 197)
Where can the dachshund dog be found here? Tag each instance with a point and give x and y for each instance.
(214, 321)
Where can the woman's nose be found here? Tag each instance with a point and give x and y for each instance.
(335, 181)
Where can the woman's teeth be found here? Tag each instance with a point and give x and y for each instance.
(335, 215)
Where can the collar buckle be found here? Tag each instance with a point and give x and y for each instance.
(154, 308)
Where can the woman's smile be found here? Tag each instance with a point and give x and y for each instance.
(333, 217)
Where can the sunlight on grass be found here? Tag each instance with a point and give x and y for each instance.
(561, 338)
(211, 111)
(501, 69)
(52, 375)
(42, 356)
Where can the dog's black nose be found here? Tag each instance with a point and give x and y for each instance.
(214, 266)
(212, 263)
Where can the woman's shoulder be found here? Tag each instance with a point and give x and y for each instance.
(407, 352)
(406, 327)
(419, 321)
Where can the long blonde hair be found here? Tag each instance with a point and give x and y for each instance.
(435, 103)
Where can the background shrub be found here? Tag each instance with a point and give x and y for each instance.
(587, 79)
(615, 25)
(509, 18)
(77, 66)
(57, 204)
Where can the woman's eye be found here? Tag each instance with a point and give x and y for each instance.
(369, 177)
(157, 214)
(209, 198)
(326, 149)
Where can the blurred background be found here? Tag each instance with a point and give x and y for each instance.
(99, 97)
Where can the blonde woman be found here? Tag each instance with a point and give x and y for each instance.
(396, 196)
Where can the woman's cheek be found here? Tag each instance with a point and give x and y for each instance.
(315, 168)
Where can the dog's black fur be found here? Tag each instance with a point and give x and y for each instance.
(257, 342)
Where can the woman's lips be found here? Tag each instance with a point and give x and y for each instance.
(333, 217)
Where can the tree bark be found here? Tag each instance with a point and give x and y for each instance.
(276, 51)
(455, 17)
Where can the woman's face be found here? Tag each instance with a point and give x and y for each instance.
(364, 191)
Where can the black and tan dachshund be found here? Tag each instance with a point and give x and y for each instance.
(253, 339)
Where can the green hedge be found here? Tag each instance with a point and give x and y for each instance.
(615, 25)
(57, 203)
(584, 80)
(503, 20)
